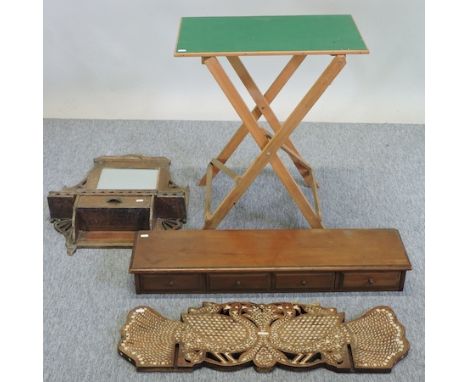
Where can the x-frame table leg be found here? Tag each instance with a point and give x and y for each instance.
(270, 147)
(262, 103)
(242, 132)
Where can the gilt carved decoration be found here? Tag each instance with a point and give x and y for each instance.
(233, 335)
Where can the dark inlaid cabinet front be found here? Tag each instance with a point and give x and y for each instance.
(269, 261)
(113, 213)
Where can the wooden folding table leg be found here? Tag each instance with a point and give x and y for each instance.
(270, 95)
(264, 105)
(307, 173)
(228, 150)
(288, 181)
(270, 148)
(209, 177)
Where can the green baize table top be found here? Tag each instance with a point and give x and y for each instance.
(269, 35)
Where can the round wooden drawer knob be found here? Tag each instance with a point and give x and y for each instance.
(238, 283)
(171, 283)
(370, 281)
(303, 282)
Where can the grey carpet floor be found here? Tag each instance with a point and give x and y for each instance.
(369, 175)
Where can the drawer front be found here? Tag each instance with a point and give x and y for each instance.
(114, 201)
(164, 282)
(371, 280)
(305, 281)
(112, 219)
(235, 282)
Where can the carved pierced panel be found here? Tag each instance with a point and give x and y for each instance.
(238, 334)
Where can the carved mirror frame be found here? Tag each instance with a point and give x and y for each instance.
(168, 208)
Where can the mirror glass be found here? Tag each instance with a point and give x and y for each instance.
(128, 179)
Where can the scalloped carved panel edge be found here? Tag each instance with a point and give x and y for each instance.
(233, 335)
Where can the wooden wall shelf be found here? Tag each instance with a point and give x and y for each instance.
(208, 261)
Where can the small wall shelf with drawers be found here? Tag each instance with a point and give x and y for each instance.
(218, 261)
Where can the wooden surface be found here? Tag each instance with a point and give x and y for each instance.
(326, 260)
(105, 239)
(264, 35)
(114, 201)
(323, 249)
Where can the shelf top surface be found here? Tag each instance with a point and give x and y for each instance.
(319, 249)
(269, 35)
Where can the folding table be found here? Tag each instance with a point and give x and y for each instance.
(297, 36)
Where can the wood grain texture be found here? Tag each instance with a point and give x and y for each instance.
(106, 239)
(324, 249)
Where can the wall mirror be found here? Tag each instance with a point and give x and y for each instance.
(119, 196)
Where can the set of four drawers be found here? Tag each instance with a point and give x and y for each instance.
(268, 282)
